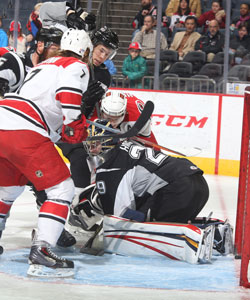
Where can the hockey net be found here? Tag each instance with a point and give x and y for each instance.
(242, 232)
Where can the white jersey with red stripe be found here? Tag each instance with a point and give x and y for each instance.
(133, 111)
(50, 96)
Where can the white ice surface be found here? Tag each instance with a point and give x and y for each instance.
(116, 277)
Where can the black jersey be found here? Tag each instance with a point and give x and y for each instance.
(13, 68)
(132, 170)
(101, 74)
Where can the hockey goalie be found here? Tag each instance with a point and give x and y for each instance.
(150, 202)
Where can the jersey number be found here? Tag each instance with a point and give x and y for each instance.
(157, 159)
(32, 74)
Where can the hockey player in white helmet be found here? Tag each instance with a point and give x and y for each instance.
(46, 109)
(122, 110)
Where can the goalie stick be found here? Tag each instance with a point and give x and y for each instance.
(133, 131)
(88, 249)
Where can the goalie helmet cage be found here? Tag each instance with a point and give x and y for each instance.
(242, 232)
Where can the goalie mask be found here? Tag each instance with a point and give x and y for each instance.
(99, 147)
(113, 107)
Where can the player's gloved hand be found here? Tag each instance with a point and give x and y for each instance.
(93, 94)
(74, 21)
(4, 87)
(86, 209)
(75, 132)
(90, 20)
(85, 215)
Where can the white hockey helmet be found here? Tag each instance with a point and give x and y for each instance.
(76, 41)
(114, 104)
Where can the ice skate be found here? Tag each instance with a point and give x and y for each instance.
(45, 263)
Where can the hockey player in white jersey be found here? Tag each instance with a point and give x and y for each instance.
(46, 109)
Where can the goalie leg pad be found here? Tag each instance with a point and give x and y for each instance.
(184, 242)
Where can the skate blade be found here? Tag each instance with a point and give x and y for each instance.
(45, 272)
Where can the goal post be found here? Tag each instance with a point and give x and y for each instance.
(242, 230)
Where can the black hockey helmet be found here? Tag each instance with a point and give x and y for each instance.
(106, 37)
(103, 145)
(49, 36)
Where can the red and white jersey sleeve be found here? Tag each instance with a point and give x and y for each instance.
(134, 109)
(50, 96)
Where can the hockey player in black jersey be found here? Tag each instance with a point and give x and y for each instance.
(141, 184)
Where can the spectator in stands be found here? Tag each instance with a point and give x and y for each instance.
(184, 41)
(244, 17)
(211, 42)
(134, 66)
(179, 17)
(195, 6)
(146, 37)
(21, 38)
(110, 66)
(216, 13)
(147, 9)
(34, 23)
(240, 43)
(3, 36)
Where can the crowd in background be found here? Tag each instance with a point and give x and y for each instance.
(186, 27)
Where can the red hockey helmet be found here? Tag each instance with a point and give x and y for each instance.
(134, 45)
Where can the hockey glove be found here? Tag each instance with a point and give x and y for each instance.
(80, 19)
(93, 94)
(85, 215)
(87, 212)
(4, 87)
(75, 132)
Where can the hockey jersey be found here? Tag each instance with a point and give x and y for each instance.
(49, 97)
(132, 170)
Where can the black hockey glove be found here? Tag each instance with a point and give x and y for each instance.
(74, 21)
(90, 21)
(4, 87)
(86, 213)
(93, 94)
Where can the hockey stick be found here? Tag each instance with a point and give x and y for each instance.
(196, 150)
(133, 131)
(88, 249)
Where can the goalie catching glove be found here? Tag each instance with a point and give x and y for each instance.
(94, 93)
(88, 211)
(75, 132)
